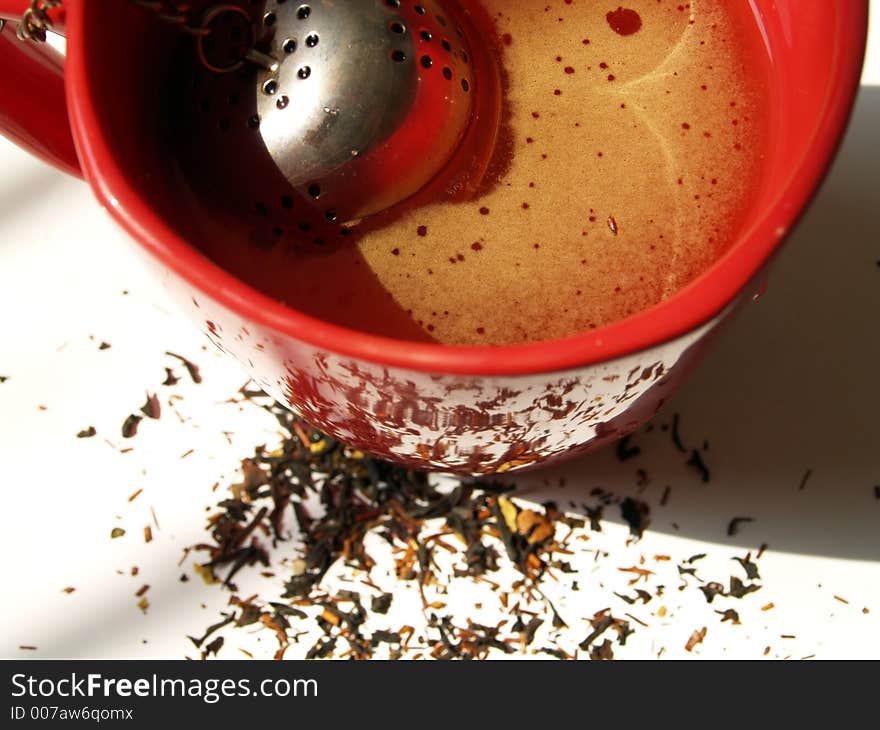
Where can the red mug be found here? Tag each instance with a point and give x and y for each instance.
(470, 410)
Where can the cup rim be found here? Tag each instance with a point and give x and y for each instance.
(689, 308)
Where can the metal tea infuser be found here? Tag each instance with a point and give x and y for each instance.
(359, 103)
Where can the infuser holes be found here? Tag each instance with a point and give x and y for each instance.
(286, 202)
(233, 98)
(278, 231)
(269, 19)
(394, 42)
(261, 208)
(223, 124)
(254, 121)
(270, 86)
(464, 57)
(304, 226)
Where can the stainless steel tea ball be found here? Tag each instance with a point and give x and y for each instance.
(369, 100)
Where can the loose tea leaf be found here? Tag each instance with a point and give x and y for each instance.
(87, 433)
(637, 516)
(734, 524)
(676, 436)
(130, 426)
(697, 463)
(152, 408)
(749, 567)
(696, 638)
(190, 366)
(626, 450)
(333, 504)
(729, 615)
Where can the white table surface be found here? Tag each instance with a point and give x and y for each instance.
(792, 386)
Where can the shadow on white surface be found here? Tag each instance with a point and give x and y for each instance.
(791, 387)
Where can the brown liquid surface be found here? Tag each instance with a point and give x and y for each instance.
(636, 149)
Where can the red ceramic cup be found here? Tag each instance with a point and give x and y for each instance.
(472, 410)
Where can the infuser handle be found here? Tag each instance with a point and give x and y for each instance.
(33, 105)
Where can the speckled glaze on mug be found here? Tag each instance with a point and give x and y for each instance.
(471, 410)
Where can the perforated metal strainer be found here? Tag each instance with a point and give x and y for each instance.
(335, 110)
(369, 100)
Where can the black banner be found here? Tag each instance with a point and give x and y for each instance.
(404, 694)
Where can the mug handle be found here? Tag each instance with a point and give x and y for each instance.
(33, 106)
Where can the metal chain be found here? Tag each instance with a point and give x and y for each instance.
(36, 21)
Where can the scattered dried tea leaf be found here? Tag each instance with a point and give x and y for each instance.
(697, 463)
(749, 567)
(729, 615)
(696, 638)
(130, 426)
(190, 366)
(116, 532)
(205, 573)
(734, 525)
(676, 434)
(536, 528)
(710, 590)
(738, 589)
(152, 408)
(637, 515)
(509, 512)
(381, 604)
(626, 450)
(170, 377)
(87, 433)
